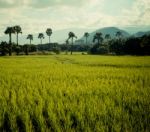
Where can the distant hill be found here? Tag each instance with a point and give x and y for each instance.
(60, 36)
(107, 30)
(140, 34)
(135, 29)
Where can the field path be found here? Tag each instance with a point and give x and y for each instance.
(65, 60)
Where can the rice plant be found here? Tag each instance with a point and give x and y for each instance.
(74, 93)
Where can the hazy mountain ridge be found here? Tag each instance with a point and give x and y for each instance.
(140, 34)
(60, 36)
(107, 30)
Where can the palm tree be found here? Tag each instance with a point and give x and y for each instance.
(30, 37)
(71, 36)
(9, 31)
(27, 47)
(107, 37)
(17, 31)
(86, 35)
(41, 36)
(49, 33)
(119, 34)
(98, 37)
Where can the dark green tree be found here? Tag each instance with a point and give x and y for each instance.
(30, 37)
(119, 34)
(26, 49)
(71, 36)
(18, 30)
(86, 35)
(98, 37)
(4, 48)
(41, 36)
(107, 43)
(10, 31)
(107, 37)
(49, 33)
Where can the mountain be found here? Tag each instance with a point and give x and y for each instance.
(107, 30)
(140, 34)
(135, 29)
(58, 36)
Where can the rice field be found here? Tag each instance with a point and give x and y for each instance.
(64, 93)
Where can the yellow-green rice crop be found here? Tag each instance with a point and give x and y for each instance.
(75, 93)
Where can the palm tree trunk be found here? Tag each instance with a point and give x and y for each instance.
(41, 41)
(98, 41)
(17, 39)
(86, 40)
(17, 45)
(49, 40)
(10, 45)
(72, 46)
(29, 46)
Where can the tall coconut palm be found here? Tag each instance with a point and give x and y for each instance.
(30, 37)
(41, 36)
(27, 47)
(71, 36)
(119, 34)
(10, 31)
(86, 35)
(98, 37)
(17, 31)
(49, 33)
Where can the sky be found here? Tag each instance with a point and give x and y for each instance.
(36, 16)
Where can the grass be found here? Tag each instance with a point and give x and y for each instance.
(75, 93)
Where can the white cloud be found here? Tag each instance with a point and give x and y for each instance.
(88, 15)
(139, 14)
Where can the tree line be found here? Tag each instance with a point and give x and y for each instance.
(121, 45)
(101, 45)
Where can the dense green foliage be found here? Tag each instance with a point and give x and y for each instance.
(74, 93)
(128, 46)
(124, 46)
(18, 49)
